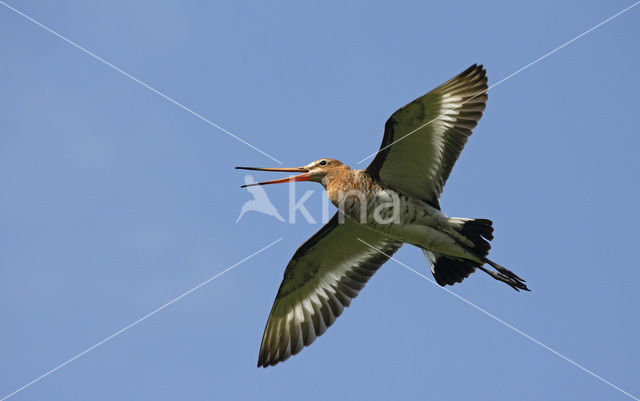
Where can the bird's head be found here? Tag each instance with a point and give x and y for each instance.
(322, 170)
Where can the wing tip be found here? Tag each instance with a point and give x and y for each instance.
(265, 364)
(476, 74)
(477, 68)
(268, 358)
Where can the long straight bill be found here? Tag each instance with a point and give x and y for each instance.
(302, 177)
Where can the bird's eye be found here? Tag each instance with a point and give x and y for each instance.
(323, 162)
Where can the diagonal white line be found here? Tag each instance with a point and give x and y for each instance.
(501, 321)
(138, 321)
(126, 74)
(507, 77)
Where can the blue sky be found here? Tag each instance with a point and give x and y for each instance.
(114, 201)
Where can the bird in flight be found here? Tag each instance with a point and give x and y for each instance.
(395, 200)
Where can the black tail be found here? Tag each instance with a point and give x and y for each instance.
(447, 270)
(480, 232)
(450, 270)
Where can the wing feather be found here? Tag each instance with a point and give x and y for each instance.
(423, 139)
(324, 275)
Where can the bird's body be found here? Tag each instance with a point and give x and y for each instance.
(397, 215)
(395, 200)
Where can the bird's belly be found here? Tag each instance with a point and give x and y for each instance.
(406, 219)
(426, 237)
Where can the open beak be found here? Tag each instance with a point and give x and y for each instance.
(302, 177)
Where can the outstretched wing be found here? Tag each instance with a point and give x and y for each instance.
(423, 139)
(322, 278)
